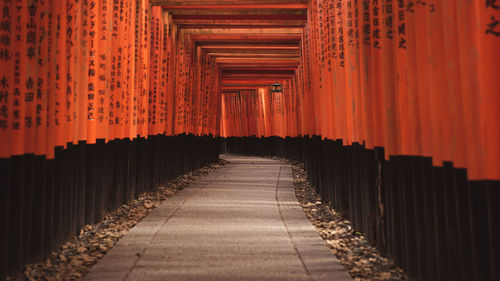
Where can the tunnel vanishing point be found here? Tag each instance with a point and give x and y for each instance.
(393, 106)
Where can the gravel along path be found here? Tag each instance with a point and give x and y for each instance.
(74, 258)
(361, 260)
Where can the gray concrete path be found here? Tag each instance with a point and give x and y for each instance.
(242, 222)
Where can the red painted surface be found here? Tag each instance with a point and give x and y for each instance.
(410, 77)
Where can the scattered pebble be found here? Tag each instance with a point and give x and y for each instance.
(361, 260)
(74, 259)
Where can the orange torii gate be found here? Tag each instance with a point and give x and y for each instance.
(392, 105)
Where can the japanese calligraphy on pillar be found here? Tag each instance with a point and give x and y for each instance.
(93, 63)
(493, 23)
(6, 78)
(102, 68)
(125, 71)
(120, 68)
(340, 33)
(113, 96)
(350, 10)
(333, 37)
(388, 19)
(60, 118)
(376, 32)
(366, 25)
(145, 62)
(31, 68)
(401, 29)
(320, 31)
(42, 80)
(135, 45)
(19, 79)
(71, 88)
(155, 64)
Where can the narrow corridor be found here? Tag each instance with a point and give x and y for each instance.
(391, 106)
(242, 222)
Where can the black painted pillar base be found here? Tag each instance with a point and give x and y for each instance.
(43, 203)
(431, 221)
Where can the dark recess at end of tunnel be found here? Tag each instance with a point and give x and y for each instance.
(432, 221)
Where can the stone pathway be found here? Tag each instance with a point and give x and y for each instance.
(242, 222)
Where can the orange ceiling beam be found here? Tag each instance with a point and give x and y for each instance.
(297, 6)
(272, 53)
(238, 12)
(256, 52)
(235, 89)
(225, 2)
(249, 25)
(253, 72)
(253, 68)
(253, 56)
(247, 47)
(255, 37)
(260, 81)
(257, 60)
(278, 17)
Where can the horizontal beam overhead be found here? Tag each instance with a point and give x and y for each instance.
(252, 32)
(253, 56)
(238, 12)
(215, 48)
(258, 60)
(225, 2)
(228, 77)
(293, 52)
(254, 72)
(236, 90)
(240, 25)
(267, 6)
(249, 85)
(257, 68)
(236, 21)
(268, 81)
(255, 17)
(254, 42)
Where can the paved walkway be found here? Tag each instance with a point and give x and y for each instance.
(242, 222)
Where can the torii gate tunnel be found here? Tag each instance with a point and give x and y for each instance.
(393, 106)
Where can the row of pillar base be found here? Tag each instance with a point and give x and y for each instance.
(432, 221)
(43, 203)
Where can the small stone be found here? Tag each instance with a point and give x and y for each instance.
(361, 260)
(74, 258)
